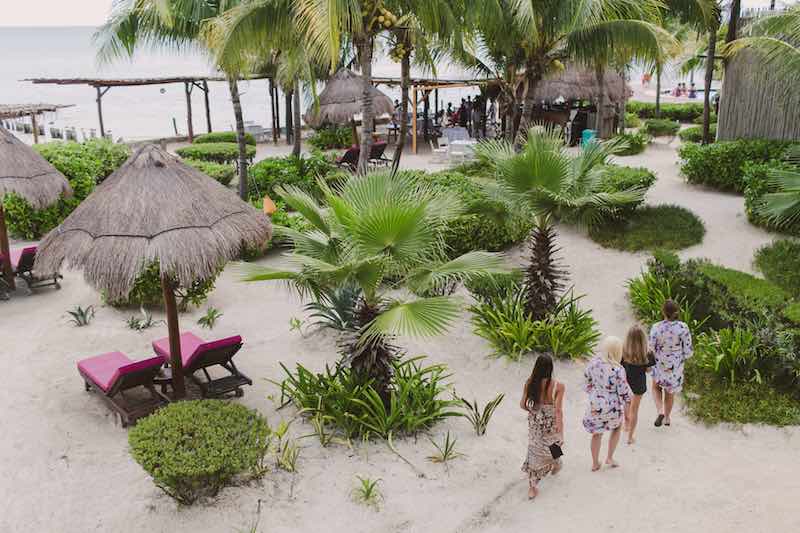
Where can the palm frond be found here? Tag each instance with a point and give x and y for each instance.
(468, 265)
(424, 317)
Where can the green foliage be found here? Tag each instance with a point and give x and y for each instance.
(222, 173)
(632, 120)
(145, 322)
(661, 127)
(27, 223)
(712, 119)
(446, 451)
(742, 289)
(335, 309)
(351, 408)
(636, 142)
(779, 261)
(194, 448)
(223, 137)
(758, 183)
(367, 491)
(722, 165)
(686, 112)
(147, 291)
(217, 152)
(301, 172)
(668, 227)
(332, 138)
(81, 316)
(209, 320)
(618, 179)
(792, 313)
(695, 133)
(731, 354)
(286, 450)
(479, 418)
(487, 289)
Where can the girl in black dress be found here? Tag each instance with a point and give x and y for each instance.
(637, 360)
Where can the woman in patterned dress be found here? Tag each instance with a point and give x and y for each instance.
(543, 400)
(609, 395)
(671, 342)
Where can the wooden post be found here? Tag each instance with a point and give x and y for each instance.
(189, 126)
(175, 361)
(208, 109)
(426, 106)
(272, 111)
(35, 129)
(414, 120)
(278, 111)
(5, 249)
(100, 94)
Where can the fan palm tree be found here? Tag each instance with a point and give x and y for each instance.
(175, 25)
(382, 233)
(782, 207)
(549, 182)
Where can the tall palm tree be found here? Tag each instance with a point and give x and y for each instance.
(544, 179)
(169, 24)
(382, 233)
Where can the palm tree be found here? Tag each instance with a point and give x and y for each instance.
(170, 24)
(544, 179)
(782, 207)
(383, 234)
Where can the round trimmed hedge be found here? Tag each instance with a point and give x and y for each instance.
(779, 261)
(194, 448)
(223, 137)
(665, 227)
(694, 134)
(222, 173)
(660, 127)
(219, 152)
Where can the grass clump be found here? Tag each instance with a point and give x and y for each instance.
(668, 227)
(194, 448)
(780, 264)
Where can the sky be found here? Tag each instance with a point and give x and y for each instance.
(94, 12)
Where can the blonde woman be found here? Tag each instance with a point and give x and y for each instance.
(609, 395)
(637, 360)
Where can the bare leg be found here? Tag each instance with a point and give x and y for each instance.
(669, 400)
(533, 492)
(658, 397)
(633, 416)
(612, 446)
(597, 441)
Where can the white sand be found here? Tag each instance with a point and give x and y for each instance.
(66, 467)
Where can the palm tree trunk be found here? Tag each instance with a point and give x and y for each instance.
(405, 82)
(296, 122)
(658, 91)
(289, 116)
(367, 113)
(601, 102)
(623, 74)
(233, 86)
(532, 79)
(273, 108)
(712, 50)
(733, 24)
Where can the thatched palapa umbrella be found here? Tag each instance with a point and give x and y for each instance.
(26, 173)
(341, 99)
(154, 208)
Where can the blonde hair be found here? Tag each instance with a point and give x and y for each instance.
(635, 348)
(612, 350)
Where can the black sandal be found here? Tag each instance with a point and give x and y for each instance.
(659, 421)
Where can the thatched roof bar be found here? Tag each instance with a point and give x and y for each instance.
(26, 110)
(130, 82)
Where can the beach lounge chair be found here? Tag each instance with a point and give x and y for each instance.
(112, 374)
(22, 260)
(349, 159)
(376, 157)
(198, 355)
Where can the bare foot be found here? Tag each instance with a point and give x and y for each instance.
(533, 492)
(612, 463)
(556, 469)
(631, 440)
(596, 467)
(667, 422)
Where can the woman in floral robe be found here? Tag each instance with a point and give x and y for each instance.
(671, 342)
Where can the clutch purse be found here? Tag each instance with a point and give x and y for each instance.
(556, 451)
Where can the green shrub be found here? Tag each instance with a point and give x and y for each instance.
(147, 292)
(218, 152)
(731, 354)
(223, 137)
(721, 165)
(618, 178)
(744, 290)
(486, 289)
(637, 142)
(695, 133)
(757, 184)
(632, 120)
(661, 127)
(685, 112)
(222, 173)
(780, 264)
(669, 227)
(353, 409)
(27, 223)
(712, 119)
(194, 448)
(302, 172)
(332, 138)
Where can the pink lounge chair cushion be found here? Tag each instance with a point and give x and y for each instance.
(17, 253)
(192, 346)
(103, 369)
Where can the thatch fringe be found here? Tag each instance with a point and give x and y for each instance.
(341, 99)
(26, 173)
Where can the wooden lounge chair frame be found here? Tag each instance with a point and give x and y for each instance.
(26, 273)
(377, 158)
(349, 159)
(213, 387)
(129, 410)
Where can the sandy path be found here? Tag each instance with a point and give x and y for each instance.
(66, 466)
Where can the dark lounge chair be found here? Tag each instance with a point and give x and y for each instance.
(198, 355)
(376, 157)
(349, 159)
(112, 374)
(22, 260)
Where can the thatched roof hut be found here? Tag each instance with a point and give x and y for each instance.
(26, 173)
(341, 100)
(580, 83)
(154, 208)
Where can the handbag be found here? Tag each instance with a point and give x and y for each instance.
(556, 451)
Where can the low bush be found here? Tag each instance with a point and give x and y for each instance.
(222, 173)
(354, 410)
(486, 289)
(686, 112)
(780, 264)
(722, 165)
(217, 152)
(637, 142)
(757, 183)
(617, 178)
(699, 119)
(280, 218)
(147, 292)
(568, 332)
(192, 449)
(669, 227)
(661, 127)
(332, 138)
(223, 137)
(695, 133)
(302, 172)
(731, 354)
(632, 120)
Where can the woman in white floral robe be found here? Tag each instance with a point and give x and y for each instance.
(671, 342)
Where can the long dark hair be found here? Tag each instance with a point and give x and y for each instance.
(542, 370)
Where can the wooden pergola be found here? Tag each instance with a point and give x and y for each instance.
(11, 111)
(426, 86)
(103, 85)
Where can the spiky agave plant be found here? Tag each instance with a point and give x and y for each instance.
(384, 234)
